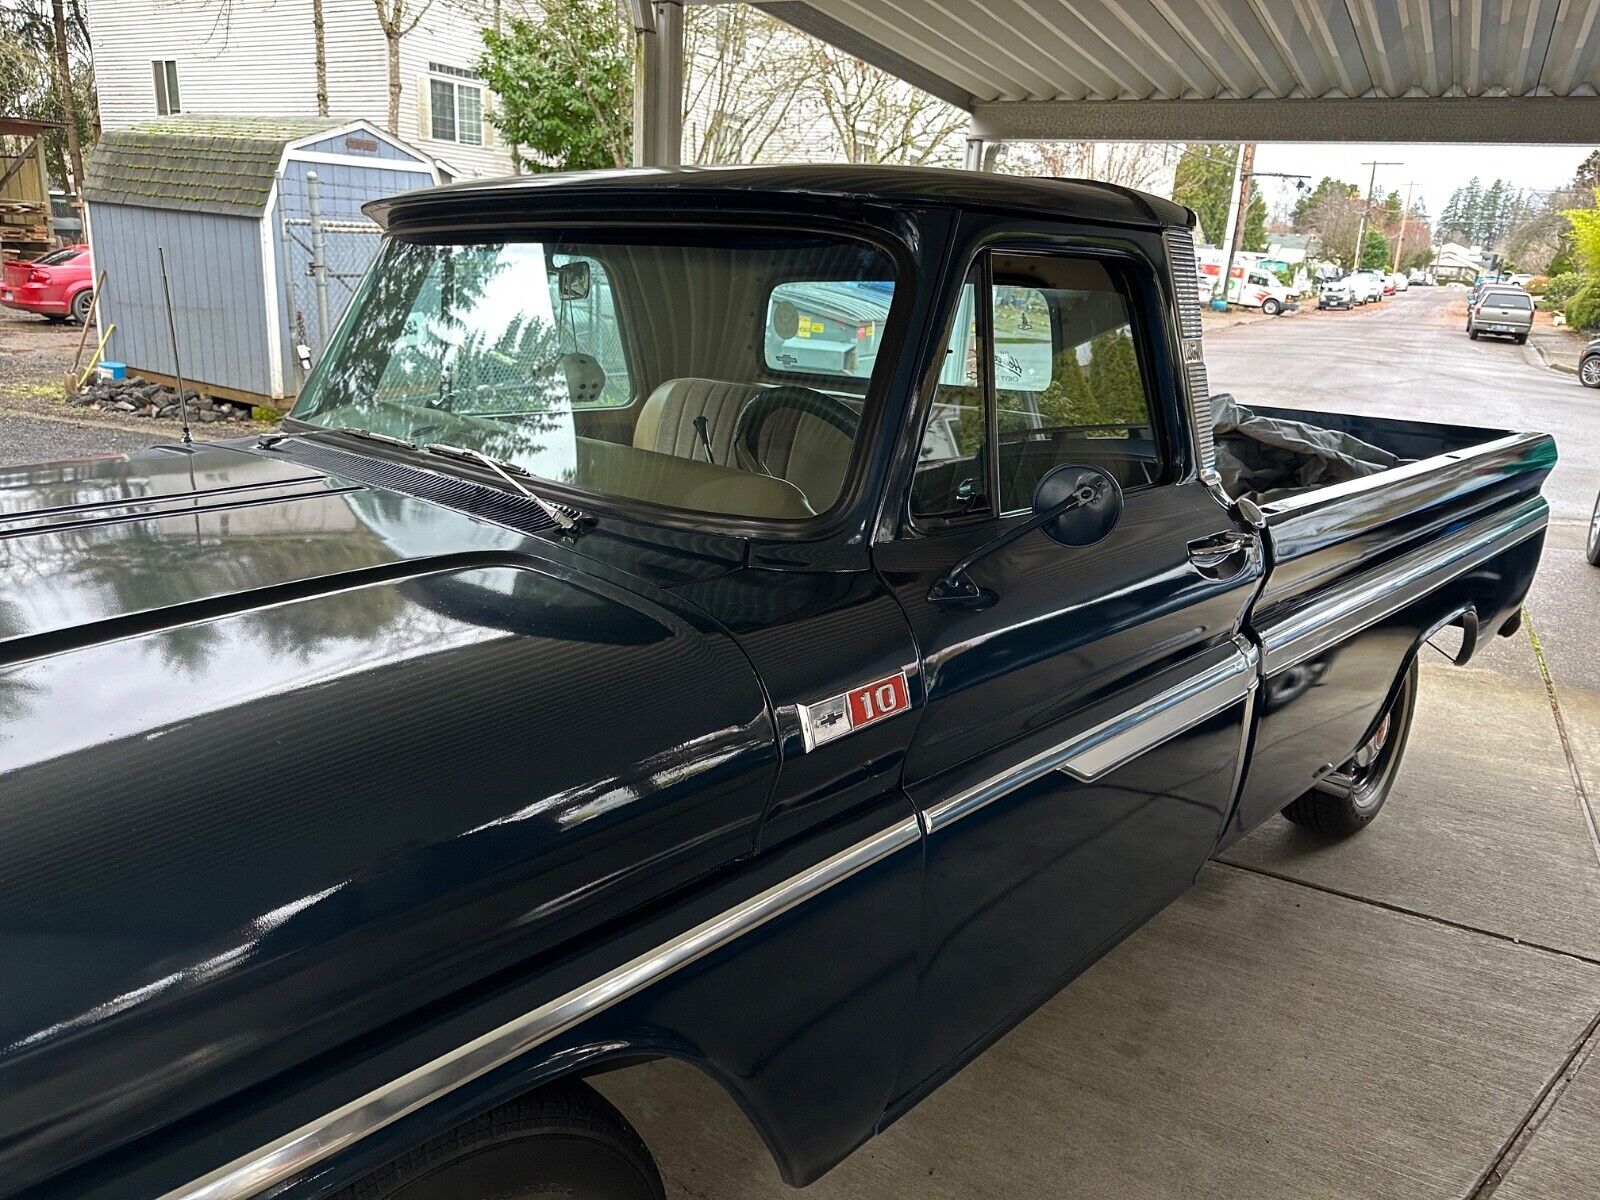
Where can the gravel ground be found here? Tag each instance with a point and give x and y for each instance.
(36, 425)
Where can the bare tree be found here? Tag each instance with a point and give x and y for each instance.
(878, 118)
(744, 79)
(1147, 166)
(398, 18)
(319, 36)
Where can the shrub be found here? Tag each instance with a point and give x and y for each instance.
(1558, 289)
(1538, 283)
(1583, 310)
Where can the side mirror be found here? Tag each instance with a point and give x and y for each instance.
(1075, 504)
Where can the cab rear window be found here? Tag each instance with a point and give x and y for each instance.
(1508, 299)
(826, 327)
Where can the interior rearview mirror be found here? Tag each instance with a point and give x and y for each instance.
(573, 280)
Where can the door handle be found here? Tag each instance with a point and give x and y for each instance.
(1215, 552)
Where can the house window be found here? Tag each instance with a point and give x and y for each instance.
(455, 105)
(165, 71)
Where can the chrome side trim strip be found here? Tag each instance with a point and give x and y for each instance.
(327, 1135)
(1093, 752)
(1386, 590)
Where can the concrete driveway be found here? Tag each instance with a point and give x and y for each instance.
(1410, 1014)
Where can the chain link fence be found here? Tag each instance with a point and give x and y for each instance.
(327, 250)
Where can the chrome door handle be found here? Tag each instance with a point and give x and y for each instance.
(1210, 553)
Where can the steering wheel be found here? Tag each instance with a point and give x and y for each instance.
(754, 415)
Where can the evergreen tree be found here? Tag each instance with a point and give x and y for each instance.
(1255, 223)
(1471, 221)
(1203, 180)
(1374, 249)
(1114, 379)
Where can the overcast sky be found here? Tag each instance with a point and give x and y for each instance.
(1437, 170)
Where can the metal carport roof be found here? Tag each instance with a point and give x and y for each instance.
(1287, 70)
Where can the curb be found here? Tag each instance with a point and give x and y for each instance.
(1549, 363)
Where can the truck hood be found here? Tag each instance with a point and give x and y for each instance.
(284, 758)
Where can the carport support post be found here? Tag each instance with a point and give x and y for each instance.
(981, 154)
(319, 253)
(657, 82)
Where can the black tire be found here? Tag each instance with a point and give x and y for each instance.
(563, 1141)
(1591, 549)
(1346, 802)
(1271, 307)
(1589, 371)
(81, 304)
(1522, 339)
(1473, 334)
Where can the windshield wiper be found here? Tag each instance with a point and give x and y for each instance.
(269, 440)
(505, 469)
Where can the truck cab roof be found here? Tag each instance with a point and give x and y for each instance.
(847, 184)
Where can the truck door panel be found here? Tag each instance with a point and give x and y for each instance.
(1080, 746)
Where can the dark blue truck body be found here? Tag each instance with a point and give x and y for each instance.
(344, 800)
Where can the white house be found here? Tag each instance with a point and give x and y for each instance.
(157, 58)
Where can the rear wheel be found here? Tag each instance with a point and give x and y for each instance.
(1589, 371)
(1472, 333)
(1522, 339)
(1347, 799)
(562, 1141)
(81, 304)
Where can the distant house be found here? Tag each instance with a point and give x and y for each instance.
(158, 58)
(1457, 263)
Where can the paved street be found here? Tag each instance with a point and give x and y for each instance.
(1410, 1014)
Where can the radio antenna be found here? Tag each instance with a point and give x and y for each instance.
(177, 364)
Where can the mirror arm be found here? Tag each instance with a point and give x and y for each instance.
(955, 588)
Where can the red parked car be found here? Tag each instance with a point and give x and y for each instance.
(57, 286)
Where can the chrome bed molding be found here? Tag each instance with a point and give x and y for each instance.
(1385, 590)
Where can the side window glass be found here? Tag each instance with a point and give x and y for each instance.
(1068, 384)
(952, 471)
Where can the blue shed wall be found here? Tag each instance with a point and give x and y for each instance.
(217, 293)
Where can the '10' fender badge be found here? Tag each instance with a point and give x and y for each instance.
(829, 719)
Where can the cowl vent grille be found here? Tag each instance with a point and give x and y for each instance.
(475, 499)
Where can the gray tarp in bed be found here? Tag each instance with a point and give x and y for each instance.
(1268, 458)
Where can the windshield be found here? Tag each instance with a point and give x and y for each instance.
(721, 374)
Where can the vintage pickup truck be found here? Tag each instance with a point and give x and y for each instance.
(589, 673)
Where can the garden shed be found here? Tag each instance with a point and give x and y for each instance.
(264, 237)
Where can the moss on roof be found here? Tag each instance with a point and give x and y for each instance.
(219, 165)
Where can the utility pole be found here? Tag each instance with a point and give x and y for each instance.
(1247, 160)
(1400, 242)
(1361, 229)
(69, 102)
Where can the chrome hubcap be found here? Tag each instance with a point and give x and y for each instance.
(1368, 754)
(1591, 370)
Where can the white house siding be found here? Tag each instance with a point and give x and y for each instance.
(261, 61)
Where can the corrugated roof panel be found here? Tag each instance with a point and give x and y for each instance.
(1085, 50)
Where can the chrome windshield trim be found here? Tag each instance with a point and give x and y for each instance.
(1100, 749)
(295, 1152)
(1386, 590)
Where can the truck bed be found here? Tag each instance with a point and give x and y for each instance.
(1455, 478)
(1360, 573)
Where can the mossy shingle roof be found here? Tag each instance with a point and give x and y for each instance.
(197, 164)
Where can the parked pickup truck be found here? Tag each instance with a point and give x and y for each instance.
(507, 717)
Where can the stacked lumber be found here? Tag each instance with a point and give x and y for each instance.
(24, 228)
